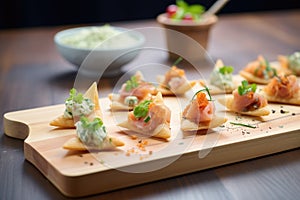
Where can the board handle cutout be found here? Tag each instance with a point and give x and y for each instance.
(15, 129)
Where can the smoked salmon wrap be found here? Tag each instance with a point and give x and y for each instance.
(199, 114)
(245, 100)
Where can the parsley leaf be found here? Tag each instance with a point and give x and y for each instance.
(131, 84)
(196, 9)
(93, 125)
(76, 97)
(184, 7)
(245, 88)
(182, 4)
(226, 70)
(142, 109)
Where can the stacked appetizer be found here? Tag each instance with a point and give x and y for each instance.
(150, 117)
(291, 62)
(245, 100)
(221, 79)
(174, 82)
(199, 114)
(132, 92)
(259, 71)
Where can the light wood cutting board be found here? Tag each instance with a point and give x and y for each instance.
(78, 174)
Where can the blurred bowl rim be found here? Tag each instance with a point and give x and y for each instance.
(139, 42)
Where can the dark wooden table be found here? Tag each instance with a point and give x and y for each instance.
(32, 74)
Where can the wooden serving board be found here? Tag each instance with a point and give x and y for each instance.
(143, 159)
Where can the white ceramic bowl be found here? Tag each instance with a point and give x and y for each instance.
(104, 59)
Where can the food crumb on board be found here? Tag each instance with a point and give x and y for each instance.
(91, 163)
(133, 137)
(130, 151)
(283, 111)
(238, 117)
(141, 144)
(140, 149)
(245, 132)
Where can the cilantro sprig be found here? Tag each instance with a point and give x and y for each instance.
(142, 109)
(131, 83)
(206, 89)
(91, 125)
(75, 96)
(244, 88)
(226, 70)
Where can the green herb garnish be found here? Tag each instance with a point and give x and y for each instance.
(132, 83)
(91, 125)
(147, 119)
(75, 96)
(142, 109)
(226, 70)
(184, 9)
(256, 71)
(177, 61)
(245, 88)
(206, 89)
(294, 62)
(245, 125)
(269, 69)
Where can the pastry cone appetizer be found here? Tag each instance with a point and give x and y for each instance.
(91, 135)
(245, 100)
(221, 80)
(283, 89)
(132, 92)
(259, 71)
(199, 114)
(291, 62)
(150, 117)
(78, 105)
(174, 82)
